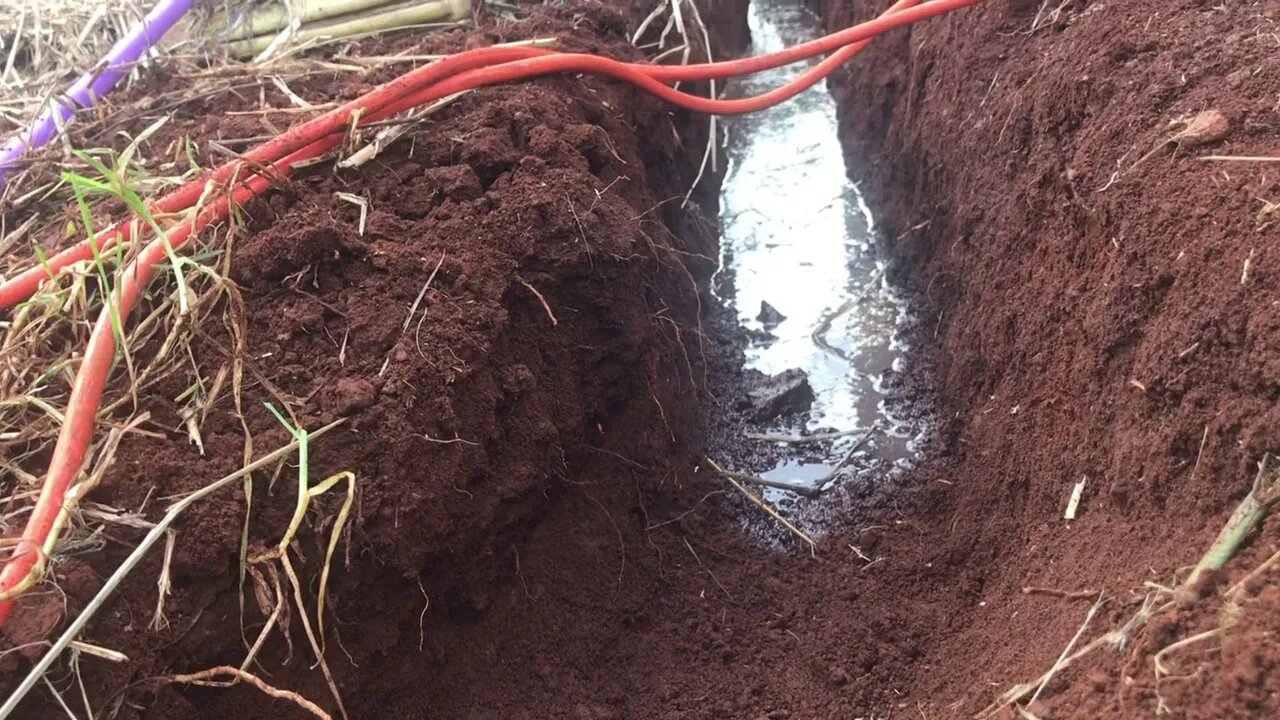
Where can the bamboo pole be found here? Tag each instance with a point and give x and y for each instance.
(274, 17)
(376, 20)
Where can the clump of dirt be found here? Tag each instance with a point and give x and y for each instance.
(1104, 313)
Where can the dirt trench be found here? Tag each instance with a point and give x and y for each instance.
(533, 536)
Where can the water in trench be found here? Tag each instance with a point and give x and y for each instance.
(798, 236)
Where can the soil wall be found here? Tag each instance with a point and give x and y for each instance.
(1103, 301)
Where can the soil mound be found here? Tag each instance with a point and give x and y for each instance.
(508, 320)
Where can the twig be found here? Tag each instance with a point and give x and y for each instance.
(799, 439)
(714, 579)
(1073, 504)
(1060, 663)
(1064, 594)
(811, 489)
(388, 135)
(541, 299)
(99, 652)
(413, 309)
(422, 617)
(1241, 158)
(759, 502)
(1161, 670)
(163, 585)
(359, 202)
(62, 703)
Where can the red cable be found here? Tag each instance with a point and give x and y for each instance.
(24, 285)
(86, 390)
(314, 138)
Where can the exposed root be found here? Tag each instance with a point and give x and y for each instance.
(307, 493)
(1162, 671)
(541, 299)
(208, 677)
(1060, 663)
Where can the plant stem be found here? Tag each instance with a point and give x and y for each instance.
(1248, 515)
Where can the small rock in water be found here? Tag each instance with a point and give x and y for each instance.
(786, 393)
(769, 315)
(759, 337)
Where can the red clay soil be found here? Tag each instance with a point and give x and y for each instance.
(1104, 303)
(532, 539)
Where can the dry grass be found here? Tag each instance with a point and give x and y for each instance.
(166, 341)
(45, 44)
(40, 351)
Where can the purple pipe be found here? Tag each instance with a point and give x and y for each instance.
(95, 83)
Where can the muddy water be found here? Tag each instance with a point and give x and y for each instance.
(798, 236)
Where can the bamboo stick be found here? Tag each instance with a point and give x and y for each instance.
(274, 17)
(361, 24)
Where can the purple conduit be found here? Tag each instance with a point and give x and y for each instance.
(95, 83)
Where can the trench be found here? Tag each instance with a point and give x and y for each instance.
(566, 555)
(803, 272)
(571, 561)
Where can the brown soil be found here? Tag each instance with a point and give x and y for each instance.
(532, 535)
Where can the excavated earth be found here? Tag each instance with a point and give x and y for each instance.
(535, 535)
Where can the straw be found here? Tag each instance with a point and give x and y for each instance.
(95, 83)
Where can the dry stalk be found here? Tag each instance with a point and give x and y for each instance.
(77, 625)
(38, 358)
(760, 503)
(163, 585)
(280, 553)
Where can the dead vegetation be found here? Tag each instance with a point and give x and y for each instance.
(1160, 599)
(45, 43)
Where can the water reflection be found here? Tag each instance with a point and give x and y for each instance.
(798, 236)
